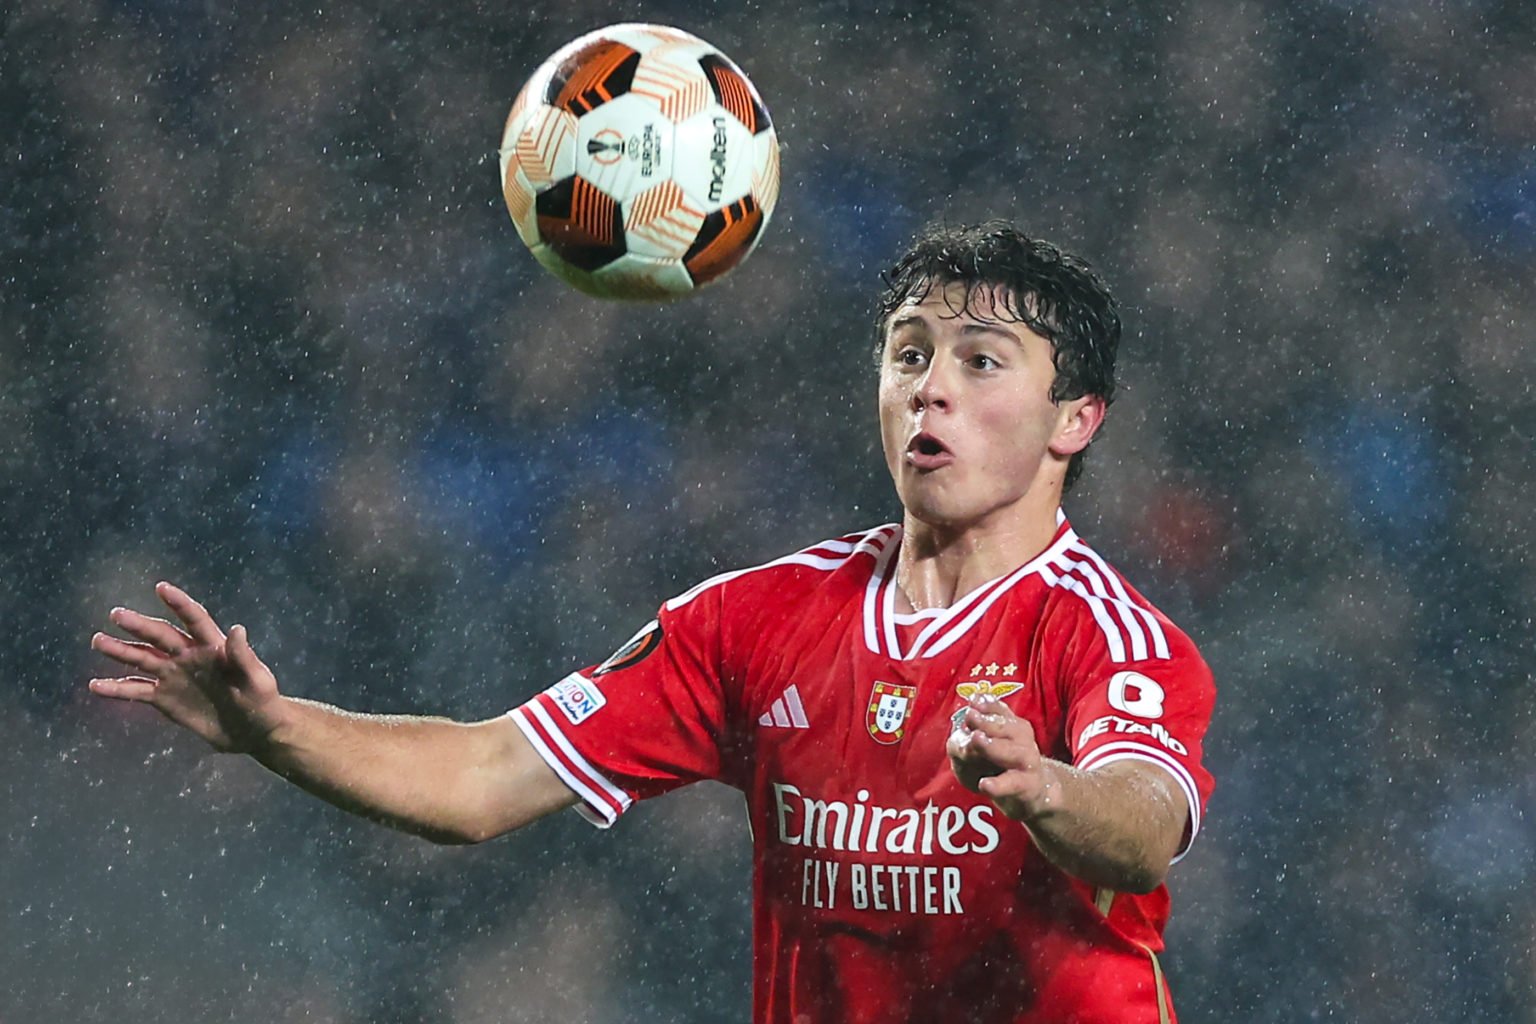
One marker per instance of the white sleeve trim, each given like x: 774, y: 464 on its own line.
x: 593, y: 808
x: 1109, y: 753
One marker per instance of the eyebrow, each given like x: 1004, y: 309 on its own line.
x: 917, y: 320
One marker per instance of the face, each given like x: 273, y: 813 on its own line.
x: 970, y: 432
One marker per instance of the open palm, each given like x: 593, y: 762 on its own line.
x: 195, y: 675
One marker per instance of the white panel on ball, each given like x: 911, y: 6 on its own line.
x: 624, y: 146
x: 639, y: 277
x: 674, y: 80
x: 520, y: 196
x: 662, y: 222
x: 643, y: 38
x: 719, y: 168
x: 544, y: 145
x: 765, y: 171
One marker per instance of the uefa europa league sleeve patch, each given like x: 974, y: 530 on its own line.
x: 635, y: 650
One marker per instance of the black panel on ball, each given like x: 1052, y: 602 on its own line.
x: 581, y: 223
x: 593, y: 75
x: 734, y: 91
x: 724, y: 240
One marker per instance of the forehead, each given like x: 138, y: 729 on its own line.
x: 972, y: 309
x: 981, y: 302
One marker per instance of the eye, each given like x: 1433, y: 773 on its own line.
x: 983, y: 362
x: 910, y: 356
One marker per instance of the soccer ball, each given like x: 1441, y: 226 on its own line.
x: 639, y: 163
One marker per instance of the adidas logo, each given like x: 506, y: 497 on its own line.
x: 786, y: 711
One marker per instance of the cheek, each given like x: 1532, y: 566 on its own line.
x: 891, y: 399
x: 1019, y: 431
x: 888, y: 410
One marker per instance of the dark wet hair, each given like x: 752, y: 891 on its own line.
x: 1057, y: 295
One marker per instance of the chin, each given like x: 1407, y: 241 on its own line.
x: 942, y: 509
x: 934, y: 511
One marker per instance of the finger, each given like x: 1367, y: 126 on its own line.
x: 192, y: 615
x: 1011, y: 785
x: 125, y: 688
x: 140, y: 656
x: 992, y: 706
x: 1005, y: 751
x: 967, y: 756
x: 159, y: 632
x: 239, y: 648
x: 965, y: 744
x: 991, y: 723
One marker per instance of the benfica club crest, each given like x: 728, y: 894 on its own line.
x: 886, y: 718
x: 998, y: 686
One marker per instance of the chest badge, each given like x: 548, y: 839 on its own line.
x: 889, y: 704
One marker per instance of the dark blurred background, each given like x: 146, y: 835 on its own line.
x: 266, y: 330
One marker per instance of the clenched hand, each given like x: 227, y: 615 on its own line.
x: 993, y: 752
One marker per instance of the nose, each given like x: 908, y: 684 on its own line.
x: 932, y: 390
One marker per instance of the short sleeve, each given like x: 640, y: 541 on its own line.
x: 642, y: 723
x: 1154, y: 710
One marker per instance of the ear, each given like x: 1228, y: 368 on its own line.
x: 1076, y: 423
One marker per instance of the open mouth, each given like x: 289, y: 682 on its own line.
x: 926, y: 451
x: 926, y: 444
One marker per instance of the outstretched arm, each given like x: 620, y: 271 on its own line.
x: 1117, y: 827
x: 451, y: 782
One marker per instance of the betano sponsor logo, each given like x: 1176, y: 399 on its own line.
x: 861, y: 827
x: 1114, y: 723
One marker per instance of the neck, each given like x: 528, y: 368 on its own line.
x: 939, y: 564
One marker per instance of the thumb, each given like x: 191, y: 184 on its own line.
x: 238, y: 646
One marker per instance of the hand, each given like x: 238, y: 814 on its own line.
x: 993, y: 752
x: 194, y: 675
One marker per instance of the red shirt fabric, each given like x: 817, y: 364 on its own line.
x: 883, y: 890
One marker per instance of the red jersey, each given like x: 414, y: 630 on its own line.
x: 884, y: 891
